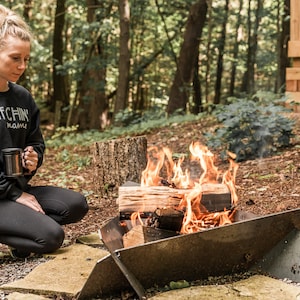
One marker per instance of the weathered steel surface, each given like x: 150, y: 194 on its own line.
x: 213, y: 252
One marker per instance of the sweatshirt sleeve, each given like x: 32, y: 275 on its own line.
x: 35, y: 137
x: 9, y: 189
x: 26, y: 132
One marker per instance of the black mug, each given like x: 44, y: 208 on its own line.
x: 13, y: 162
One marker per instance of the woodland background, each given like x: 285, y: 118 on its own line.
x: 102, y: 69
x: 96, y: 62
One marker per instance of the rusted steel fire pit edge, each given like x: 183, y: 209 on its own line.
x: 214, y: 252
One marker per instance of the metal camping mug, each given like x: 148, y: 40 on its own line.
x: 13, y: 162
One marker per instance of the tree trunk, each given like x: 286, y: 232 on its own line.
x: 60, y: 94
x: 235, y: 50
x: 124, y: 58
x: 248, y: 85
x: 282, y: 44
x: 208, y: 50
x: 118, y: 161
x: 221, y: 47
x: 197, y: 96
x: 27, y: 14
x: 92, y: 110
x: 179, y: 91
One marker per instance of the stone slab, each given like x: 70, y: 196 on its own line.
x: 19, y: 296
x: 65, y: 274
x: 257, y: 287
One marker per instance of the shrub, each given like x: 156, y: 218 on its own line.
x: 251, y: 129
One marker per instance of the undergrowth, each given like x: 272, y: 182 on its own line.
x: 71, y: 137
x: 252, y: 128
x: 248, y: 127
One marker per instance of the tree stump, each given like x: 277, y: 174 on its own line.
x: 118, y: 161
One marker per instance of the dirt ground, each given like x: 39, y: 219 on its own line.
x: 264, y: 186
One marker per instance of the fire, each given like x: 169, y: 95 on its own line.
x: 159, y: 158
x: 196, y: 217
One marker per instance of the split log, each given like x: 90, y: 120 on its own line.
x: 141, y: 234
x: 215, y: 197
x: 118, y: 161
x: 166, y: 218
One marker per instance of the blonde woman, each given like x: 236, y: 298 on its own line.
x: 30, y: 216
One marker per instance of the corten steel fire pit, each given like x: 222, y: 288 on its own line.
x: 270, y: 243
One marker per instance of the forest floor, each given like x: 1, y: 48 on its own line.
x: 263, y: 186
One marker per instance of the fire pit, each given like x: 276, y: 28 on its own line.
x: 213, y: 239
x: 236, y: 247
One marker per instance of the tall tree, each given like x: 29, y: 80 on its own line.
x: 60, y: 93
x: 124, y: 57
x: 221, y: 48
x: 283, y: 30
x: 93, y: 109
x: 27, y: 13
x: 248, y: 85
x: 196, y: 105
x: 208, y: 49
x: 189, y: 50
x: 235, y: 49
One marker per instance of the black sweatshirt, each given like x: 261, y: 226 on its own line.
x: 19, y: 128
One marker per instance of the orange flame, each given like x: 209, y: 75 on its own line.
x: 210, y: 172
x: 159, y: 158
x: 196, y: 217
x: 136, y: 217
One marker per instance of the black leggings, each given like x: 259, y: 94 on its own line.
x: 27, y: 230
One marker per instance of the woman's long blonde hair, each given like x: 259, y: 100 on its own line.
x: 12, y: 24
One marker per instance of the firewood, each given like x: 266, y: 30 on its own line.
x: 166, y: 218
x: 141, y: 234
x: 215, y: 197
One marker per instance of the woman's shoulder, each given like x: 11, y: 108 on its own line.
x: 18, y: 88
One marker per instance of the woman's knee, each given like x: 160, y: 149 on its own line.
x: 78, y: 208
x: 52, y: 240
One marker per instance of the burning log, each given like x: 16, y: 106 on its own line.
x: 166, y: 218
x: 117, y: 161
x: 215, y: 197
x: 141, y: 234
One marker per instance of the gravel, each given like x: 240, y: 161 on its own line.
x: 13, y: 269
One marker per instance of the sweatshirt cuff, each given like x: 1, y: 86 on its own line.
x: 14, y: 193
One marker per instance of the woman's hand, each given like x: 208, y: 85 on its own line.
x: 30, y: 201
x: 30, y: 160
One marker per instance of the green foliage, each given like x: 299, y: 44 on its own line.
x: 130, y: 117
x: 137, y: 124
x: 154, y: 49
x: 72, y: 159
x: 251, y: 128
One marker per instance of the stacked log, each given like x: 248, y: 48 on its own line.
x: 215, y: 197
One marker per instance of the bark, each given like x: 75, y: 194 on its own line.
x: 221, y: 47
x: 179, y: 91
x: 248, y: 85
x: 197, y: 96
x: 124, y: 58
x: 92, y: 111
x: 235, y: 50
x: 209, y: 39
x: 27, y: 14
x: 118, y: 161
x: 60, y: 94
x: 282, y: 44
x: 215, y: 197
